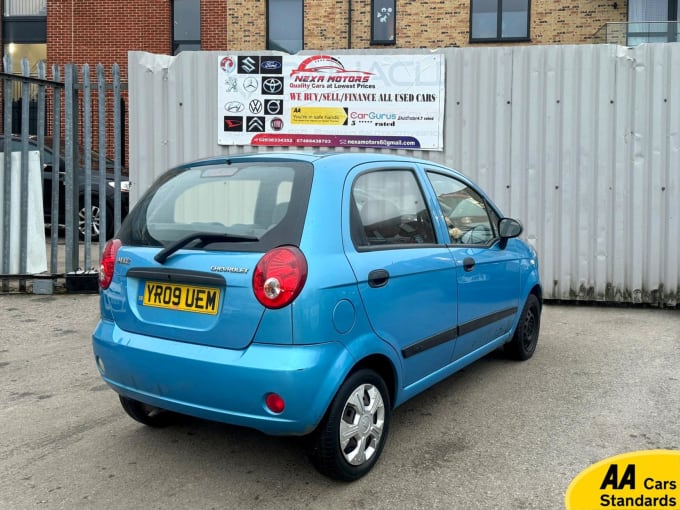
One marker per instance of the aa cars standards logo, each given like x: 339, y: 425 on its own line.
x: 636, y: 480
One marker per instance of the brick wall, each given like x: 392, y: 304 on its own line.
x: 246, y: 25
x: 214, y: 24
x: 425, y: 24
x: 572, y: 22
x: 92, y: 31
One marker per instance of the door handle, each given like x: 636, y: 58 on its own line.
x: 378, y: 278
x: 468, y: 264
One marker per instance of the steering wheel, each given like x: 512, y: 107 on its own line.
x: 479, y: 234
x: 446, y: 210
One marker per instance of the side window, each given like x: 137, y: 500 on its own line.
x: 467, y: 216
x: 388, y: 208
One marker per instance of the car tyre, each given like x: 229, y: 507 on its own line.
x: 96, y: 219
x: 146, y: 414
x: 351, y: 437
x: 523, y: 343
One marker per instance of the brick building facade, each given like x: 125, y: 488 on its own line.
x: 80, y: 31
x: 95, y: 32
x: 426, y: 24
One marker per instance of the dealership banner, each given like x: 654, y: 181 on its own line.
x: 363, y: 100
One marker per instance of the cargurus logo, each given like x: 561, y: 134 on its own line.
x: 373, y: 116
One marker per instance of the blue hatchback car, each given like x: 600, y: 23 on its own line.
x: 309, y: 294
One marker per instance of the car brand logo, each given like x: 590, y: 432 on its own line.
x: 230, y: 84
x: 255, y: 106
x: 234, y: 107
x: 233, y: 123
x: 273, y: 106
x: 227, y: 64
x: 271, y: 65
x: 255, y: 124
x: 250, y: 85
x: 276, y: 124
x: 229, y: 269
x: 272, y: 86
x: 248, y: 65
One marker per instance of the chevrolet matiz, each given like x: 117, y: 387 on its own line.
x: 309, y: 294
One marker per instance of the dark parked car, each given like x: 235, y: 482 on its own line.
x: 48, y: 159
x: 309, y: 294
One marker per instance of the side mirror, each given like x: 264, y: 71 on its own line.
x: 508, y: 228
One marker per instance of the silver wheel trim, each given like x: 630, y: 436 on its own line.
x: 95, y: 220
x: 361, y: 424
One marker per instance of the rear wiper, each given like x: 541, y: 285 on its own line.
x: 205, y: 237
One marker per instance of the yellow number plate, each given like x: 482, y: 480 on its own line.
x: 188, y: 298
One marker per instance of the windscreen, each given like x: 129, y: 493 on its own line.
x: 263, y: 203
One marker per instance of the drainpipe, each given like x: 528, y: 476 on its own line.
x: 349, y: 26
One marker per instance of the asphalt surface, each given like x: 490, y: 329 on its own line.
x: 498, y: 435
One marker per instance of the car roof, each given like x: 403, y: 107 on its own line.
x: 346, y: 158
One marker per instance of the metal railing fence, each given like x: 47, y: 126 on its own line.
x: 66, y: 120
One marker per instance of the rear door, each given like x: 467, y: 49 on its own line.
x: 407, y: 280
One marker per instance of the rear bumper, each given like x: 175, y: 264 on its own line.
x: 221, y: 384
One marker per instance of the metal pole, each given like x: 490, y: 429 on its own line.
x: 23, y: 179
x: 116, y: 146
x: 101, y: 117
x: 87, y: 149
x: 71, y: 195
x: 56, y: 151
x: 7, y: 169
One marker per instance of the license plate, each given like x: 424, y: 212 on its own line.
x: 188, y: 298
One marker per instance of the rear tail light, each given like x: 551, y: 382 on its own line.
x: 279, y: 276
x: 108, y: 262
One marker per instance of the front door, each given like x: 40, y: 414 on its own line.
x: 488, y: 275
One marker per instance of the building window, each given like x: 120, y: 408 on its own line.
x: 651, y: 21
x: 24, y: 21
x: 186, y: 23
x: 25, y: 8
x: 383, y: 22
x: 35, y: 53
x: 499, y: 20
x: 285, y: 25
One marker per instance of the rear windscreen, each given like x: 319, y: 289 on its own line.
x: 259, y: 204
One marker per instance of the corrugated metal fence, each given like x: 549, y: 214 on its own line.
x: 60, y: 184
x: 582, y: 143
